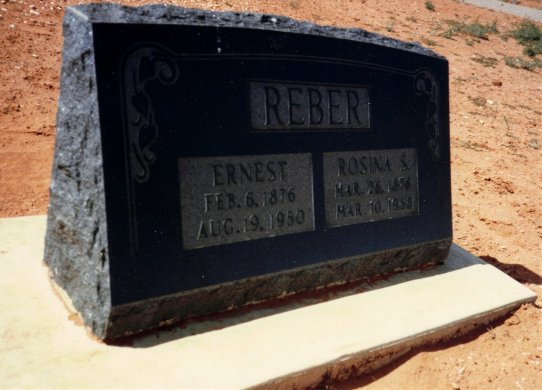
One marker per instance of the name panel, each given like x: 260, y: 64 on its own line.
x: 287, y: 106
x: 239, y: 198
x: 366, y: 186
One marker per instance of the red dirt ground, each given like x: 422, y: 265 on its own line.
x: 496, y: 116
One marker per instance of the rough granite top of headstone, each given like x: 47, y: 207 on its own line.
x: 167, y: 14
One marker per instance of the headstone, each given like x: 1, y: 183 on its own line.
x: 205, y: 161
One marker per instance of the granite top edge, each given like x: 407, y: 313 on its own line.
x: 169, y: 14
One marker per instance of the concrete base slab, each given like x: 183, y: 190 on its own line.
x: 271, y: 347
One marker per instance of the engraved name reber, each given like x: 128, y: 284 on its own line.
x: 285, y: 106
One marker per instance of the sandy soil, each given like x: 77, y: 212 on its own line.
x: 496, y: 138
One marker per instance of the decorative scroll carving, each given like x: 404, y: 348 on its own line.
x: 143, y: 66
x: 426, y: 84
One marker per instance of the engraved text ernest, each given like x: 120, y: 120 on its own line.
x: 239, y: 198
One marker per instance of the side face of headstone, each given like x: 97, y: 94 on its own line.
x: 209, y: 160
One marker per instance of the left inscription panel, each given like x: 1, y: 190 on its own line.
x: 230, y: 199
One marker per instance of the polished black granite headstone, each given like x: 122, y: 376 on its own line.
x: 209, y: 160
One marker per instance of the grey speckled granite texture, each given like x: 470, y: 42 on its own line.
x: 166, y: 14
x: 134, y: 317
x: 76, y: 238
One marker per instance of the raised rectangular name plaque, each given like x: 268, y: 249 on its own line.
x: 240, y: 198
x: 288, y: 106
x: 205, y: 161
x: 371, y: 185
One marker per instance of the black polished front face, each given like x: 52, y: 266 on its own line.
x: 231, y: 153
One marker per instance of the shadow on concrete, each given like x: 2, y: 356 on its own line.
x: 516, y: 271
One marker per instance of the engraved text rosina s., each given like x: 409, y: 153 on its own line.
x: 366, y: 186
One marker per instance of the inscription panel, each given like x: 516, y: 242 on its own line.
x: 286, y: 106
x: 239, y: 198
x: 366, y: 186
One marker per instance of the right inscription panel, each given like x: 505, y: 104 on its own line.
x: 365, y: 186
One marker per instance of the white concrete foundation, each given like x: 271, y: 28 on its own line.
x: 298, y: 345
